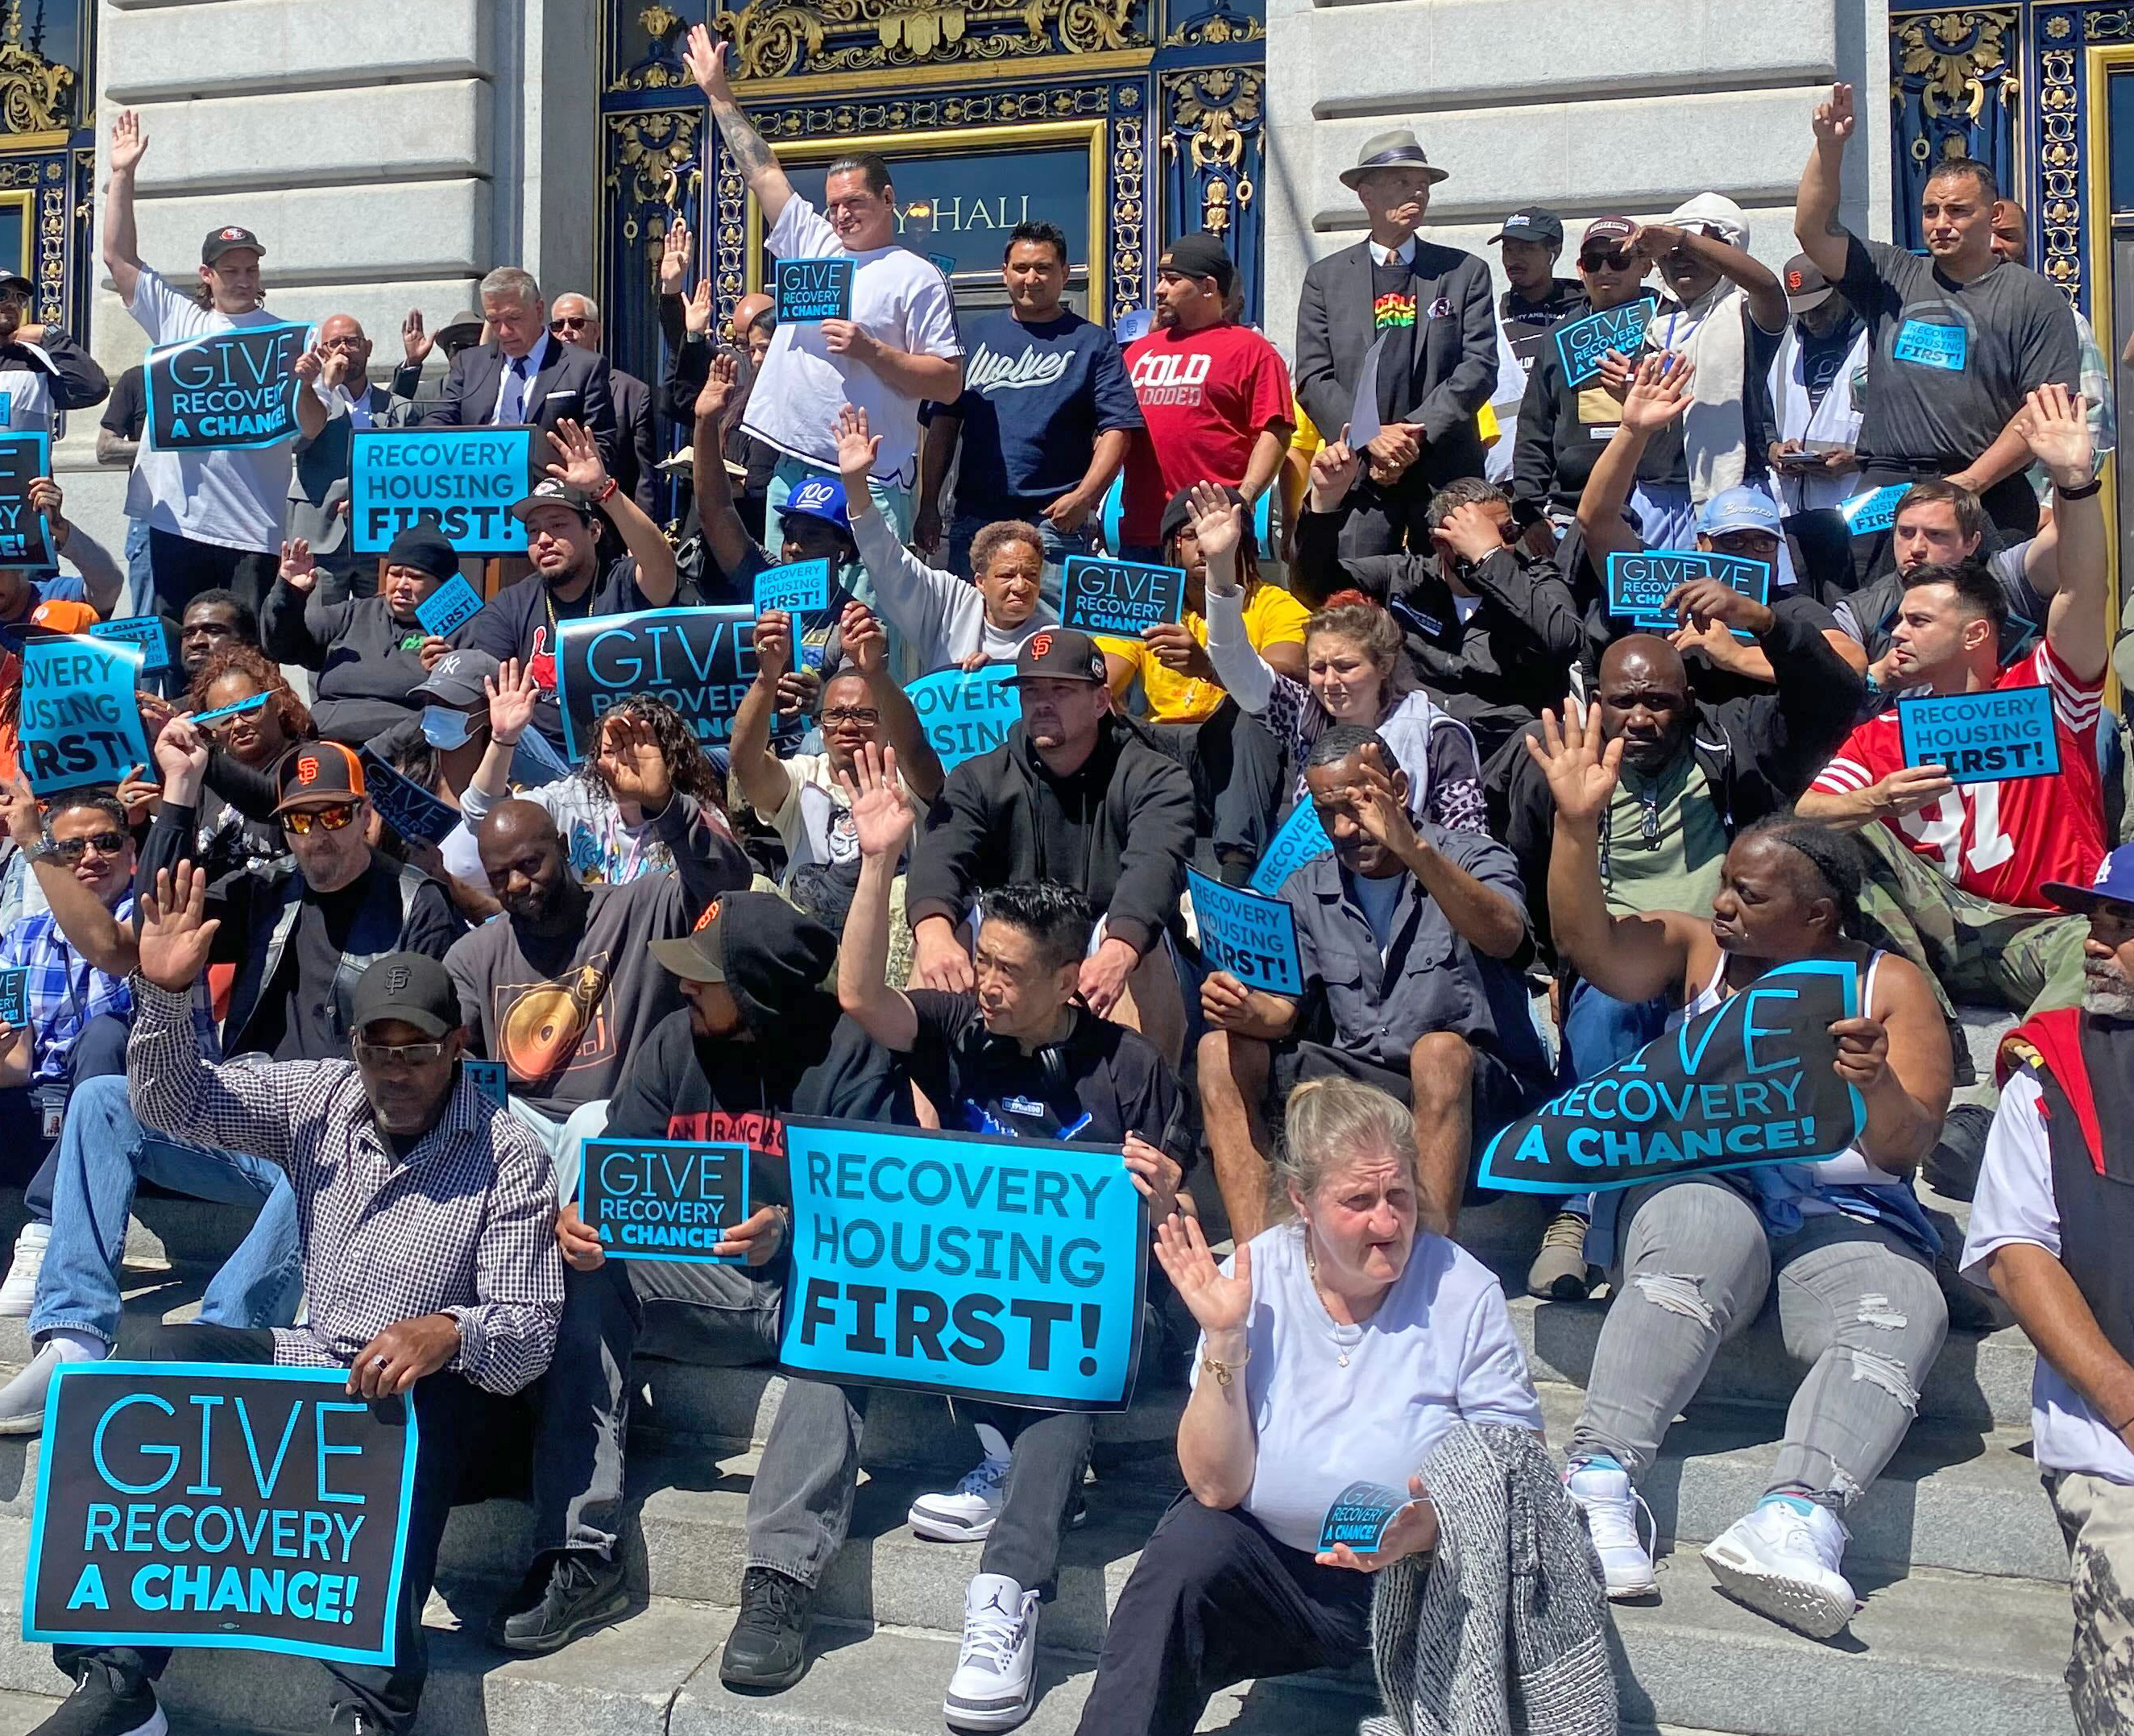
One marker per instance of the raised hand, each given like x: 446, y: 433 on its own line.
x: 1834, y: 120
x: 1702, y: 602
x: 1658, y: 393
x: 299, y: 571
x: 180, y: 749
x: 774, y: 645
x: 1469, y: 533
x: 634, y: 764
x: 696, y: 313
x: 674, y: 257
x: 2057, y: 426
x: 414, y: 341
x: 582, y: 467
x: 1581, y: 769
x: 865, y: 640
x: 24, y: 821
x: 512, y: 694
x: 1219, y: 523
x: 718, y: 391
x: 129, y: 143
x: 706, y: 64
x: 882, y: 817
x: 857, y: 449
x: 1334, y: 472
x: 310, y: 364
x: 1379, y: 807
x: 175, y: 930
x: 1217, y: 1303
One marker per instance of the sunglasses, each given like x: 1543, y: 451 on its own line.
x: 398, y: 1054
x: 1598, y: 260
x: 71, y: 850
x: 569, y: 322
x: 334, y: 818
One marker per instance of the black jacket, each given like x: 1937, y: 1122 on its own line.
x: 1495, y: 670
x: 567, y: 381
x: 1757, y: 754
x: 1119, y: 831
x: 1556, y: 452
x: 637, y: 440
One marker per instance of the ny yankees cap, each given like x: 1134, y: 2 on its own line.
x: 409, y: 987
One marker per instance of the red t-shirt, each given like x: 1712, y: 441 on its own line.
x: 2002, y: 840
x: 1204, y: 397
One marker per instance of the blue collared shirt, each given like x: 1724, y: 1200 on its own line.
x: 65, y: 990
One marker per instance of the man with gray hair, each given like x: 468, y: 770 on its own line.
x: 525, y: 375
x: 576, y: 319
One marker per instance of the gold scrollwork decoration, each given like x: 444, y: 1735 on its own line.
x: 1957, y: 53
x: 34, y: 92
x: 2060, y: 162
x: 779, y: 38
x: 1220, y: 28
x: 652, y: 173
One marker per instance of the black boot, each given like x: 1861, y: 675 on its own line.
x: 104, y: 1704
x: 1951, y: 1167
x: 563, y: 1595
x: 768, y: 1648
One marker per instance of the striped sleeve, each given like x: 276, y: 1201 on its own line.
x: 1856, y: 763
x: 2075, y: 702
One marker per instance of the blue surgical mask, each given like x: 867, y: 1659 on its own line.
x: 444, y: 727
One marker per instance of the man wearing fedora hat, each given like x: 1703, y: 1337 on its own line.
x: 1433, y: 306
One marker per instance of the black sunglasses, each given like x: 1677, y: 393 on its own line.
x: 71, y: 850
x: 1603, y: 262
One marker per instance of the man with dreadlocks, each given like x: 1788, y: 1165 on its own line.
x: 1694, y: 1256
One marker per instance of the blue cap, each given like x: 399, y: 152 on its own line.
x: 1738, y: 509
x: 2114, y: 884
x: 819, y: 497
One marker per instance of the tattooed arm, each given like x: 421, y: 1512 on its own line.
x: 706, y: 62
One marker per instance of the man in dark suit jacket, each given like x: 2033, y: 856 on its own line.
x: 575, y: 319
x: 1435, y: 307
x: 523, y: 374
x: 318, y: 478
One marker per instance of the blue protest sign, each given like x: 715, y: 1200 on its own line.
x: 15, y: 998
x: 1580, y: 344
x: 1120, y: 597
x: 449, y: 607
x: 812, y: 290
x: 664, y: 1199
x: 224, y: 389
x: 965, y: 715
x: 1982, y: 737
x: 81, y: 723
x: 210, y: 1504
x: 242, y: 706
x: 26, y: 538
x: 404, y: 804
x: 701, y: 661
x: 145, y: 634
x: 797, y: 588
x: 1931, y: 345
x: 1639, y: 585
x: 1359, y: 1516
x: 491, y: 1078
x: 1254, y: 939
x: 1754, y: 1081
x: 1004, y: 1269
x: 1301, y: 838
x: 1875, y: 510
x: 464, y: 480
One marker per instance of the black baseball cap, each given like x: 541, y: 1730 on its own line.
x: 1531, y: 223
x: 424, y: 548
x: 1200, y: 255
x: 549, y: 492
x: 1059, y: 653
x: 317, y: 774
x: 1178, y: 511
x: 15, y: 282
x: 1805, y: 285
x: 411, y: 987
x: 226, y: 240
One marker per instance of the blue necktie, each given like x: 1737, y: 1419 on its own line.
x: 511, y: 407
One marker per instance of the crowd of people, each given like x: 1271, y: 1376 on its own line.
x: 1552, y: 833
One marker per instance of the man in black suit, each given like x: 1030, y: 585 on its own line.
x: 525, y: 375
x: 1434, y: 306
x: 575, y: 319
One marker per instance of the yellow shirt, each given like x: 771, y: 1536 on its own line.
x: 1273, y: 617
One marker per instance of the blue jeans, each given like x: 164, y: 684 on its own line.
x: 104, y: 1155
x: 1599, y: 1030
x: 963, y: 527
x: 136, y: 564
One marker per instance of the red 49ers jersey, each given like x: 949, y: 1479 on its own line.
x: 2002, y: 840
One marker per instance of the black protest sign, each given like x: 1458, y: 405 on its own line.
x: 226, y: 389
x: 1120, y: 597
x: 814, y: 290
x: 404, y: 804
x: 1752, y: 1082
x: 208, y: 1504
x: 701, y: 661
x: 1581, y: 343
x: 664, y: 1199
x: 26, y: 539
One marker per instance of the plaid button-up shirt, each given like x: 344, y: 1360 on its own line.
x: 464, y: 1225
x: 64, y: 991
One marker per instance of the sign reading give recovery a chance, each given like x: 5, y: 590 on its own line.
x: 701, y: 661
x: 1752, y: 1082
x: 1004, y: 1269
x: 1581, y: 343
x: 26, y: 538
x: 812, y: 290
x: 1120, y: 597
x: 663, y: 1198
x: 81, y: 723
x: 1639, y: 585
x: 463, y: 480
x: 1982, y: 738
x: 1254, y: 939
x: 965, y: 714
x: 224, y: 389
x: 210, y: 1504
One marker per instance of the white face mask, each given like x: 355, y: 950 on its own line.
x: 444, y: 727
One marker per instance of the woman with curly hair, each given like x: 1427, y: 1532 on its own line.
x: 239, y: 830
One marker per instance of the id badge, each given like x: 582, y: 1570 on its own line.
x: 54, y: 1114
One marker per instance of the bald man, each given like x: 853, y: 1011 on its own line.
x: 575, y: 319
x: 319, y: 484
x: 1693, y: 774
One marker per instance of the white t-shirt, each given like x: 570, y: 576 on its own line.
x: 235, y: 499
x: 26, y: 395
x: 898, y: 297
x: 815, y: 821
x: 1712, y: 332
x: 1439, y: 1350
x: 2015, y: 1203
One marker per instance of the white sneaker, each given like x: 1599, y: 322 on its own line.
x: 1783, y: 1563
x: 966, y: 1513
x: 18, y: 1291
x: 22, y: 1399
x: 1602, y: 1490
x: 995, y: 1672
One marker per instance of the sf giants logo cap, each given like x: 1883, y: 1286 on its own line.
x: 318, y: 774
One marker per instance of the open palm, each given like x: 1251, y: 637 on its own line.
x: 177, y: 932
x: 1217, y: 1303
x: 1581, y: 769
x: 881, y: 816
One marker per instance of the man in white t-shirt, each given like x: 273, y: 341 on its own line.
x: 214, y: 518
x: 899, y: 348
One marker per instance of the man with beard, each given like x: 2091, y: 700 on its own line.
x: 2050, y: 1231
x: 567, y: 582
x: 562, y: 990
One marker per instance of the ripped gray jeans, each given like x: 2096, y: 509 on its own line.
x: 1693, y: 1267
